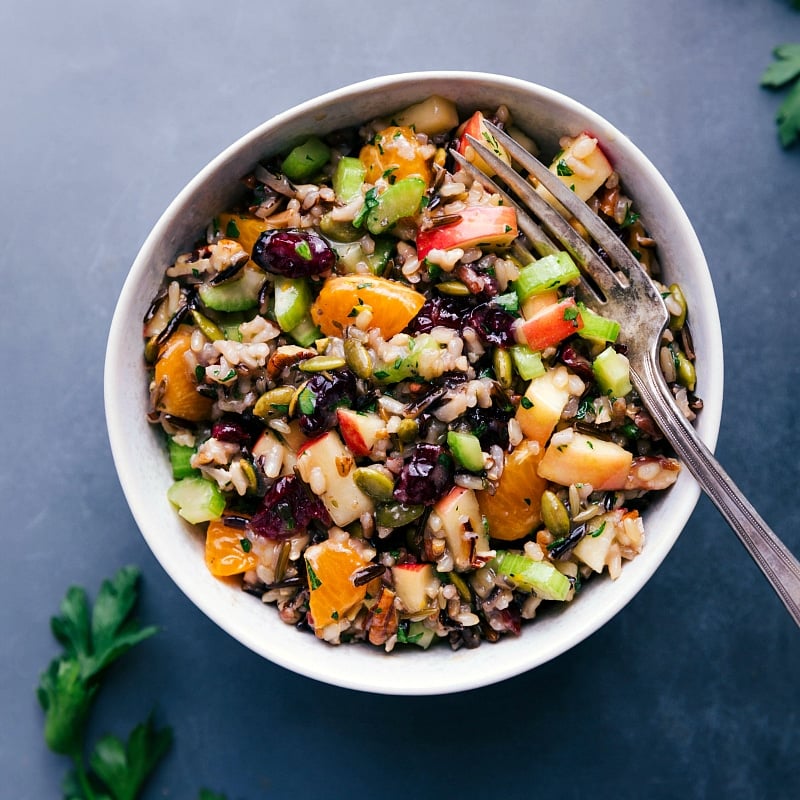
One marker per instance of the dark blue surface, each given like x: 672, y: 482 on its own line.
x: 693, y: 691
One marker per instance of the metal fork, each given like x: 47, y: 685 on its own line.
x: 628, y: 295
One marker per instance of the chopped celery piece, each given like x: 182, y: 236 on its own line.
x: 292, y: 301
x: 306, y: 159
x: 197, y: 499
x: 596, y: 326
x: 347, y: 179
x: 180, y: 456
x: 402, y: 199
x: 541, y: 577
x: 305, y: 333
x: 422, y: 346
x: 466, y: 449
x: 508, y: 302
x: 238, y: 295
x: 419, y: 635
x: 545, y: 274
x: 528, y: 362
x: 351, y: 255
x: 613, y: 373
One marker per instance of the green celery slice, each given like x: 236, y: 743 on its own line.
x: 197, y: 499
x: 180, y: 456
x: 306, y: 159
x: 541, y: 577
x: 348, y: 178
x: 402, y: 199
x: 613, y: 373
x: 596, y: 326
x: 292, y: 301
x: 528, y: 362
x: 546, y: 274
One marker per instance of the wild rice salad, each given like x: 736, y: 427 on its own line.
x: 387, y: 416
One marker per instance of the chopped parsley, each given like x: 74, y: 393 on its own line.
x: 304, y: 251
x: 563, y: 169
x: 231, y: 230
x: 313, y: 581
x: 370, y: 201
x: 571, y: 313
x: 595, y: 534
x: 246, y: 545
x: 630, y: 218
x: 526, y: 402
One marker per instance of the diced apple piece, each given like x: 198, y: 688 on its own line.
x: 344, y: 501
x: 271, y: 452
x: 477, y: 225
x: 360, y: 430
x: 574, y: 457
x: 541, y: 406
x: 593, y: 549
x: 582, y: 166
x: 551, y: 324
x: 415, y: 585
x: 475, y: 126
x: 462, y: 525
x: 432, y: 116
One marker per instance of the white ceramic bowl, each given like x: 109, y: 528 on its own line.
x: 143, y: 466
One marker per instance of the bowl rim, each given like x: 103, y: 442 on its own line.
x: 449, y: 678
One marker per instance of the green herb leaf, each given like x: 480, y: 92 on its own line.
x: 563, y: 169
x: 785, y: 71
x: 231, y: 230
x: 124, y: 767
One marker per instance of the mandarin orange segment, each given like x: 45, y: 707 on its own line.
x: 243, y: 228
x: 393, y: 304
x: 228, y: 550
x: 330, y: 566
x: 515, y: 508
x: 174, y: 374
x: 395, y: 153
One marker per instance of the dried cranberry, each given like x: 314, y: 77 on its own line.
x: 287, y: 510
x: 293, y: 253
x: 577, y: 362
x: 320, y: 398
x: 511, y: 619
x: 490, y: 425
x: 425, y: 476
x: 228, y: 430
x: 447, y: 312
x: 493, y: 324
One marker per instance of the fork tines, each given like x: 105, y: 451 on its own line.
x: 608, y: 281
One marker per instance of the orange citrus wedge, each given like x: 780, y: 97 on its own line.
x: 393, y: 304
x: 180, y: 397
x: 225, y: 553
x: 243, y: 228
x: 515, y: 508
x: 330, y: 566
x: 395, y: 153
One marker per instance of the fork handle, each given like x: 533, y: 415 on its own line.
x: 777, y: 563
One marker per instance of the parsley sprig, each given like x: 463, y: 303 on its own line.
x: 93, y: 638
x: 785, y: 72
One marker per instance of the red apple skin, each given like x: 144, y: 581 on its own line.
x: 548, y: 326
x: 358, y: 430
x: 477, y: 224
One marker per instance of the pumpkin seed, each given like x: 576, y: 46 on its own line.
x: 210, y: 330
x: 554, y: 515
x: 375, y: 483
x: 274, y: 402
x: 685, y: 371
x: 322, y: 363
x: 395, y: 515
x: 249, y: 472
x: 676, y: 322
x: 453, y: 288
x: 151, y: 349
x: 358, y: 358
x: 408, y: 430
x: 503, y: 367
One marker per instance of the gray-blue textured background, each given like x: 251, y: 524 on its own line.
x: 106, y: 110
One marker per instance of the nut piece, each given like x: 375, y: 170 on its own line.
x: 285, y: 356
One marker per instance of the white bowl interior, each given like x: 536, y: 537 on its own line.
x: 143, y: 467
